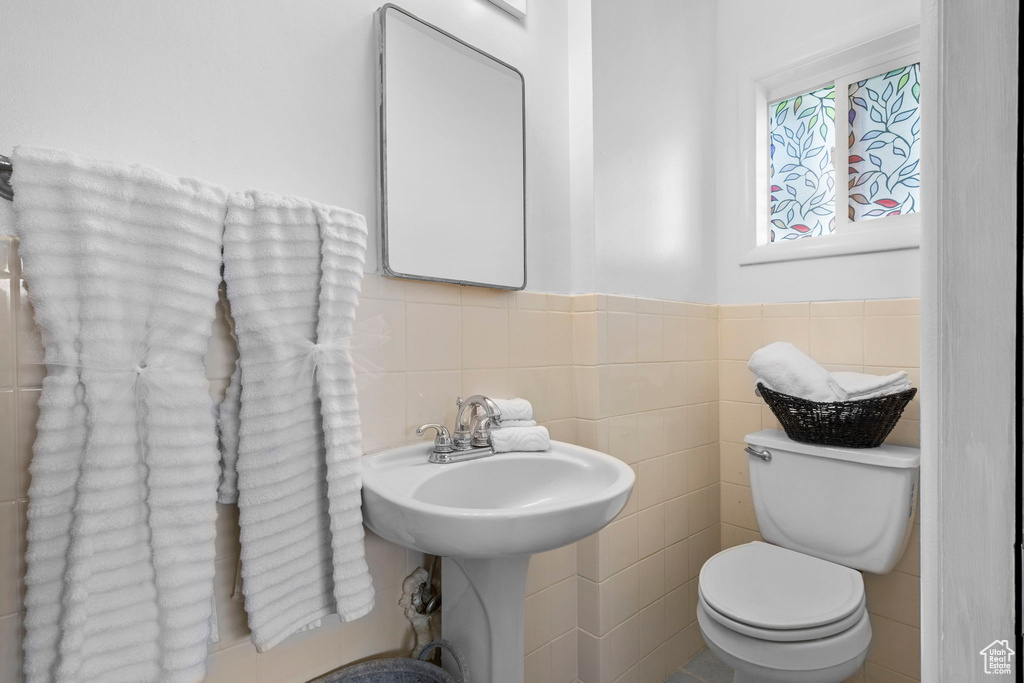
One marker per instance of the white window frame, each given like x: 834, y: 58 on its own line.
x: 889, y: 233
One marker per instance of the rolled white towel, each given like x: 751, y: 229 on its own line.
x: 784, y: 368
x: 520, y: 439
x: 518, y: 423
x: 514, y: 408
x: 859, y: 386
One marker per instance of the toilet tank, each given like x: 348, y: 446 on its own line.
x: 852, y: 506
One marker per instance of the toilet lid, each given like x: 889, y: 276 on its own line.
x: 773, y: 588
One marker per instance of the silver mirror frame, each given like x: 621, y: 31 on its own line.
x: 380, y: 20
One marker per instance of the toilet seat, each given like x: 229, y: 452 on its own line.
x: 772, y: 593
x: 777, y: 615
x: 784, y: 635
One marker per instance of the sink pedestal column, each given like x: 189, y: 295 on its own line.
x: 482, y: 614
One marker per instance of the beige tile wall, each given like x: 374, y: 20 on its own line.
x: 446, y: 341
x: 443, y: 341
x: 647, y: 392
x: 638, y: 378
x: 868, y: 336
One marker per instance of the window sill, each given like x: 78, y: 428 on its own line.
x: 863, y: 241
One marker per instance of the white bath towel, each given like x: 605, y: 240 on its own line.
x: 784, y: 368
x: 293, y: 270
x: 508, y: 439
x: 122, y: 265
x: 518, y: 423
x: 514, y: 408
x: 859, y: 386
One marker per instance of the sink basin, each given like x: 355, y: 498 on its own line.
x: 485, y: 518
x: 503, y: 505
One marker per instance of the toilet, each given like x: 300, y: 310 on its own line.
x: 792, y: 609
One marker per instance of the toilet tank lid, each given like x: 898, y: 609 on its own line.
x: 886, y: 455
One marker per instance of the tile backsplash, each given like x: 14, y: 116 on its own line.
x: 661, y: 385
x: 647, y: 392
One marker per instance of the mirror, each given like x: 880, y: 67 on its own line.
x: 452, y: 158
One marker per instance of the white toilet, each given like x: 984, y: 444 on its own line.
x: 792, y: 610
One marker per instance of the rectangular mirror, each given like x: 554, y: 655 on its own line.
x: 452, y: 158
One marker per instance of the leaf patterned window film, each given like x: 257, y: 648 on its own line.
x: 885, y: 144
x: 802, y: 176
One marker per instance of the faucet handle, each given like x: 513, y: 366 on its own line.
x: 480, y: 431
x: 443, y: 440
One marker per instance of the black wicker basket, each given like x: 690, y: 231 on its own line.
x: 852, y: 424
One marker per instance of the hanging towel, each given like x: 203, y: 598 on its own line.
x: 122, y: 265
x: 859, y: 386
x: 784, y: 368
x: 293, y: 270
x: 514, y: 408
x: 368, y: 335
x: 508, y: 439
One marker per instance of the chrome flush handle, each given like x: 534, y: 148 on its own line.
x: 765, y: 455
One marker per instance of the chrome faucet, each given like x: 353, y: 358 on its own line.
x: 477, y: 433
x: 470, y: 441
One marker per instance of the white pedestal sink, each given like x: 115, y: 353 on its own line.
x: 485, y: 518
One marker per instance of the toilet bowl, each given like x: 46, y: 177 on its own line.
x: 774, y: 614
x: 792, y: 609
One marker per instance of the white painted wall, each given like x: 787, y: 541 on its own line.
x: 756, y: 36
x: 653, y: 175
x: 631, y: 118
x: 262, y: 94
x: 581, y: 146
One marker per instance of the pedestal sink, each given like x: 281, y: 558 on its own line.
x: 485, y: 518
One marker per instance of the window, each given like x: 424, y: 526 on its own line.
x: 885, y: 145
x: 836, y: 155
x: 882, y: 148
x: 803, y: 179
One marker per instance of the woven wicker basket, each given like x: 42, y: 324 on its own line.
x: 852, y: 424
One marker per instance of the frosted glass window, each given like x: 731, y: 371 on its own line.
x: 885, y: 144
x: 803, y: 184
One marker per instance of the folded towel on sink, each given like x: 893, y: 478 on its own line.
x: 518, y: 423
x: 508, y: 439
x: 514, y: 409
